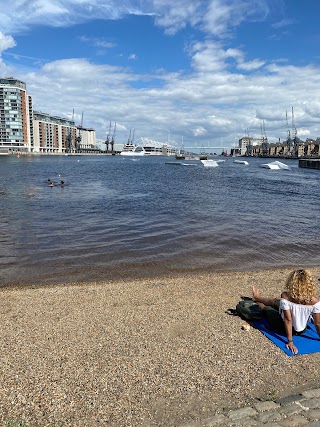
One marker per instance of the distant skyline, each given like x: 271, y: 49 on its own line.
x: 205, y: 72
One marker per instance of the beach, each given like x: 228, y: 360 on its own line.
x: 146, y: 352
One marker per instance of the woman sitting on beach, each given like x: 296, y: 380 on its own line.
x: 290, y: 314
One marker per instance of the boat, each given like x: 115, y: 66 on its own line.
x: 131, y: 149
x: 275, y: 165
x: 155, y: 148
x: 180, y: 155
x: 209, y: 163
x: 241, y: 162
x: 180, y: 164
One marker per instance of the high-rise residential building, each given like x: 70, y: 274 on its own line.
x: 52, y: 134
x: 15, y: 116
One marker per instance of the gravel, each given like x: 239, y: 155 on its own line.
x: 158, y: 352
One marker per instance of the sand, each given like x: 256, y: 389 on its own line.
x: 151, y: 352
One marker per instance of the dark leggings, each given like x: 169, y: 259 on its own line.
x: 273, y: 317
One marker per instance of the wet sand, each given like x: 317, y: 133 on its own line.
x: 147, y: 352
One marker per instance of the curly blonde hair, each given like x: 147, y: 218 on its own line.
x: 300, y: 286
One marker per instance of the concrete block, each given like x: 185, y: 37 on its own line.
x: 309, y: 394
x: 294, y: 421
x: 289, y: 399
x: 216, y: 420
x: 270, y: 416
x: 266, y: 406
x: 291, y: 409
x: 311, y: 403
x: 313, y: 414
x: 241, y: 413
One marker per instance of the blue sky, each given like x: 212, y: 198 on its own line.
x: 203, y: 71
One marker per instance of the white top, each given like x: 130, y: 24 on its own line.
x: 300, y: 313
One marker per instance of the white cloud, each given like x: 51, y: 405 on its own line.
x: 283, y: 23
x: 303, y: 132
x: 6, y: 42
x: 251, y: 65
x: 203, y: 104
x: 223, y: 93
x: 216, y: 17
x: 223, y: 16
x: 99, y: 42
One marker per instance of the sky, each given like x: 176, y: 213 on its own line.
x: 197, y: 73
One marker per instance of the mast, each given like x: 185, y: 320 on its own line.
x: 129, y: 137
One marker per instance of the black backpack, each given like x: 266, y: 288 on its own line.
x: 248, y: 310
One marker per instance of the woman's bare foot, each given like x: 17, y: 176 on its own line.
x: 262, y: 301
x: 255, y: 294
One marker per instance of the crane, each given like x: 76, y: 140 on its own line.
x: 79, y: 137
x: 295, y: 139
x: 107, y: 141
x: 288, y: 130
x: 264, y: 139
x: 69, y: 143
x: 113, y: 136
x: 294, y: 129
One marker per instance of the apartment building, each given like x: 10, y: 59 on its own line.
x: 15, y: 116
x: 52, y: 134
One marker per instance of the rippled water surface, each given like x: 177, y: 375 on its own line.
x: 117, y: 218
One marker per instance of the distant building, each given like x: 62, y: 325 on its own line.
x: 15, y: 116
x: 86, y: 140
x: 25, y: 130
x: 246, y: 144
x: 53, y: 134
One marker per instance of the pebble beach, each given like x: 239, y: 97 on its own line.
x: 148, y: 352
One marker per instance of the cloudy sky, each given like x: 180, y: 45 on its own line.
x: 203, y: 71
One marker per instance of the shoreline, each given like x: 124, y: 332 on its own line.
x: 130, y: 275
x: 140, y: 352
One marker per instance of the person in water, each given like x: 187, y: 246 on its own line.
x: 298, y: 304
x: 61, y: 183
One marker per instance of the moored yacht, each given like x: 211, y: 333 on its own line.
x: 131, y: 149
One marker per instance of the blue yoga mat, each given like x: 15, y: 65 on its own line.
x: 307, y: 343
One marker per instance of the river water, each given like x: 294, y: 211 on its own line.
x: 117, y: 218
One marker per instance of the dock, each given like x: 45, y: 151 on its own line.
x: 309, y: 163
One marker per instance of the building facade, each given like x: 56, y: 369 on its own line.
x: 246, y: 145
x: 86, y: 140
x: 52, y: 134
x: 15, y: 116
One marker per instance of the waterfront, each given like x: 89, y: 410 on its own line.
x: 117, y: 218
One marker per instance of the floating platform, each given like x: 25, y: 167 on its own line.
x: 274, y: 165
x: 309, y: 163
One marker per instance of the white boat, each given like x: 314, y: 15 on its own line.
x: 132, y: 150
x: 275, y: 165
x: 241, y: 162
x: 209, y: 163
x: 155, y: 148
x: 180, y: 164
